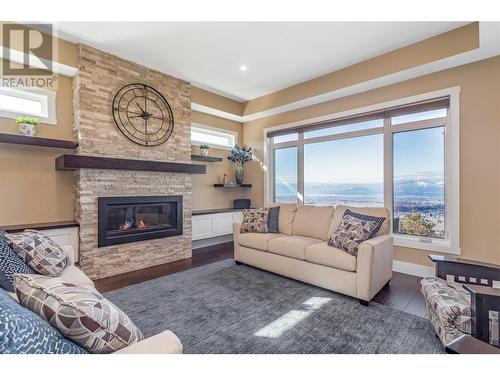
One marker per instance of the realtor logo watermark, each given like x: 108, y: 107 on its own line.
x: 28, y: 55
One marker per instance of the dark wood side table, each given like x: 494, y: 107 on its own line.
x: 469, y: 345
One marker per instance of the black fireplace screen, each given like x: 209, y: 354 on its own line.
x: 130, y: 219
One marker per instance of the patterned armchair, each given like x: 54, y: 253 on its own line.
x: 463, y: 298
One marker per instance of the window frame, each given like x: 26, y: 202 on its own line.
x: 47, y: 99
x: 451, y: 244
x: 230, y: 135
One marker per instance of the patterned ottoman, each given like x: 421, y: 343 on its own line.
x: 448, y: 308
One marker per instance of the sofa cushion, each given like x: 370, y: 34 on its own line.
x: 254, y: 221
x: 24, y: 332
x: 74, y: 275
x: 10, y: 264
x: 330, y: 256
x: 286, y: 217
x: 372, y: 211
x: 291, y: 246
x: 80, y: 314
x: 39, y: 252
x: 258, y: 241
x: 313, y: 221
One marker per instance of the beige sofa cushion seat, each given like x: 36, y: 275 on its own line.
x: 313, y: 221
x: 257, y: 241
x: 330, y: 256
x: 291, y: 246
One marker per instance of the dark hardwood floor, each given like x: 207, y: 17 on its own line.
x: 402, y: 293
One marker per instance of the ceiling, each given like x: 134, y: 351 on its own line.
x: 277, y: 54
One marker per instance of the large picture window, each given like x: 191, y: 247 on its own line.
x: 402, y: 156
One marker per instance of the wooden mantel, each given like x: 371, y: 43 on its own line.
x: 74, y: 162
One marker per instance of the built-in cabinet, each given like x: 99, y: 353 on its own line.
x: 214, y: 225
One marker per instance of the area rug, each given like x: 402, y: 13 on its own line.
x: 226, y: 308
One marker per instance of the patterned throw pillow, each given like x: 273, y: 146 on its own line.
x: 351, y: 232
x: 24, y: 332
x: 80, y: 314
x: 378, y: 220
x: 255, y: 220
x: 10, y: 264
x: 273, y: 219
x: 39, y: 252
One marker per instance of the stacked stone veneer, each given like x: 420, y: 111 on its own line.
x: 100, y: 76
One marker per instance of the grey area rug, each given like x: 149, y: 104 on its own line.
x: 225, y: 308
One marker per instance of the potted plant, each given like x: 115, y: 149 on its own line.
x: 240, y: 156
x: 27, y: 125
x: 204, y: 149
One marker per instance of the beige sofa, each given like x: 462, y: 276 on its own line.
x: 300, y: 251
x: 163, y: 343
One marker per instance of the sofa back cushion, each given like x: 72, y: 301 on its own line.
x: 313, y: 221
x: 286, y: 217
x: 372, y: 211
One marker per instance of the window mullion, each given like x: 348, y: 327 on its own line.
x: 300, y: 169
x: 388, y: 168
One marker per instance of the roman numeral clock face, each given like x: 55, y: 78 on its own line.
x: 143, y: 115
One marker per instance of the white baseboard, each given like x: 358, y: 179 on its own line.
x: 412, y: 269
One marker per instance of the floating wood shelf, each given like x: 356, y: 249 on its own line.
x: 225, y: 186
x: 211, y: 159
x: 74, y: 162
x: 40, y: 226
x: 37, y: 141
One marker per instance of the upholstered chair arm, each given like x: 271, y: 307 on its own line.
x: 236, y: 237
x: 163, y: 343
x: 374, y: 265
x: 70, y: 253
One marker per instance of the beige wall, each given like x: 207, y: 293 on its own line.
x: 31, y: 191
x: 479, y: 149
x: 205, y: 196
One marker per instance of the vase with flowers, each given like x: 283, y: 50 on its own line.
x: 240, y: 156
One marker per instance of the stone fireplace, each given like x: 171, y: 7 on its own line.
x: 100, y: 76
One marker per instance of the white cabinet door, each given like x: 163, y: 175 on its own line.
x: 213, y: 225
x: 223, y: 223
x: 202, y: 226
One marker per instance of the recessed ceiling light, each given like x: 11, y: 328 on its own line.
x: 243, y: 68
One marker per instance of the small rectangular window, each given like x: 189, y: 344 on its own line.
x: 39, y: 104
x: 419, y: 116
x: 212, y: 136
x: 363, y: 125
x: 285, y: 138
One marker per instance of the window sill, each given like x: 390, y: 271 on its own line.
x: 439, y: 246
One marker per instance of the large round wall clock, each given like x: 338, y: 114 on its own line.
x: 143, y: 115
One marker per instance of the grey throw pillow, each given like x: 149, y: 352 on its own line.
x: 351, y: 232
x: 39, y: 252
x: 273, y: 219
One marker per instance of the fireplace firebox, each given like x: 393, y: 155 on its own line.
x: 131, y: 219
